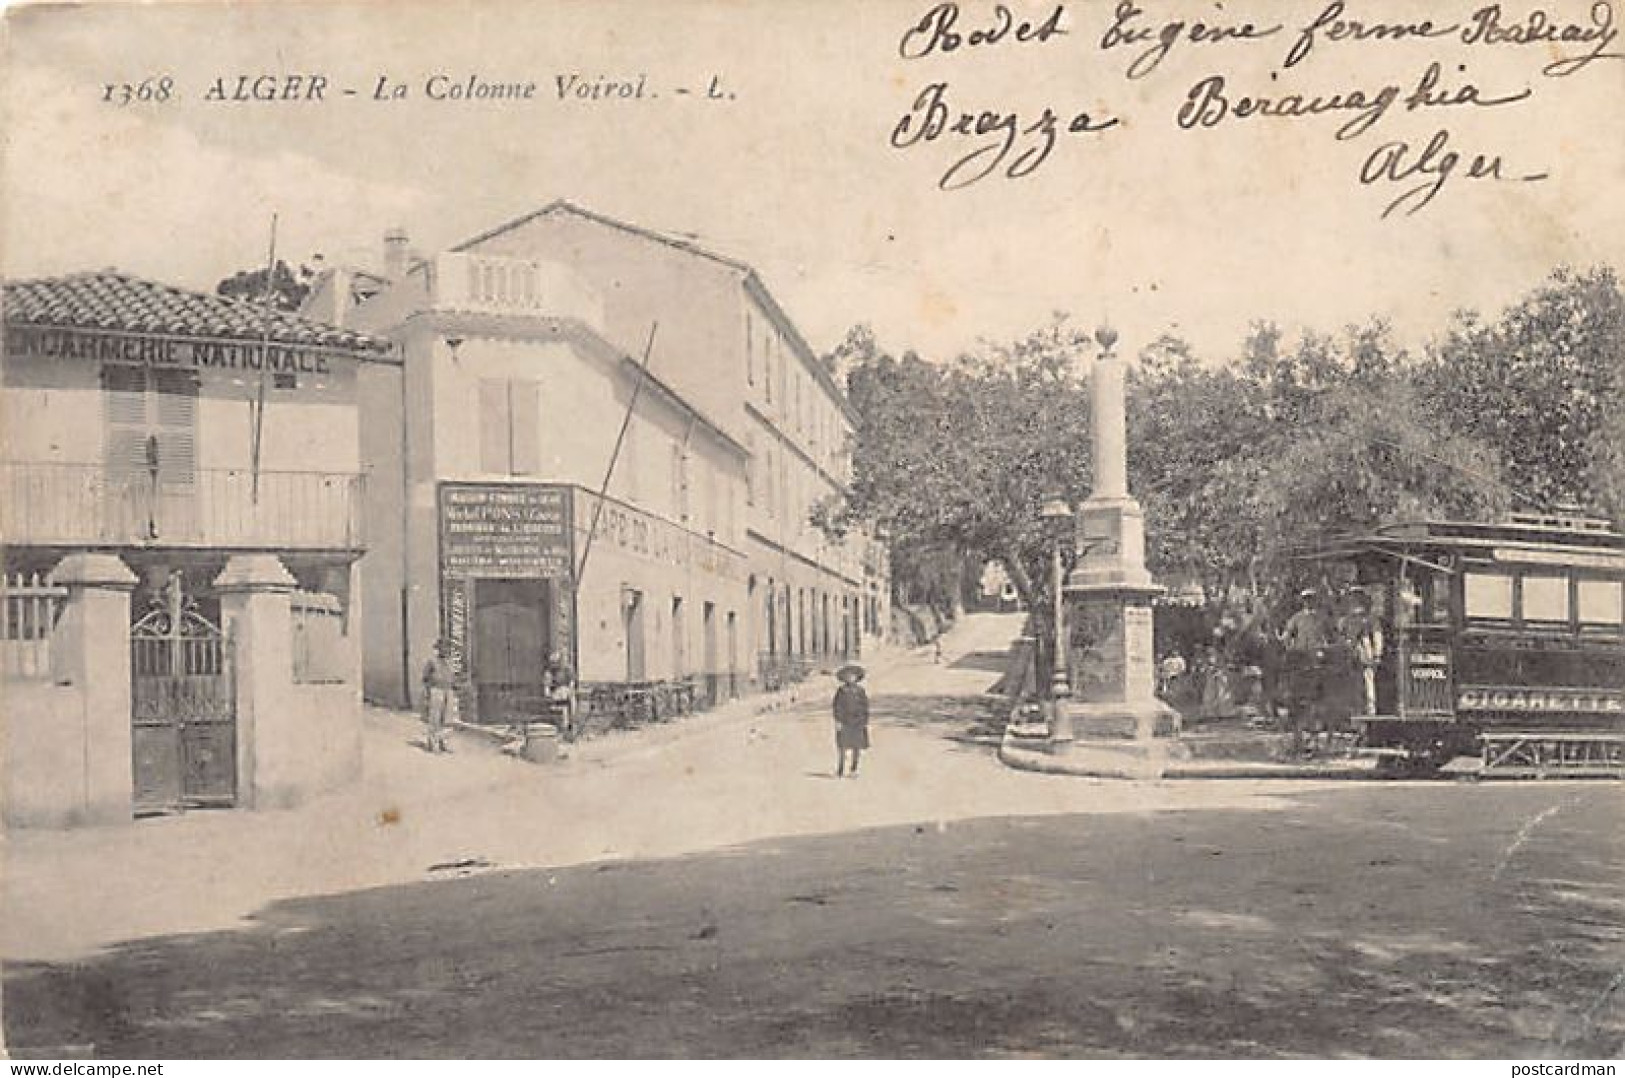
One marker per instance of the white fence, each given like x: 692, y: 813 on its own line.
x: 29, y: 609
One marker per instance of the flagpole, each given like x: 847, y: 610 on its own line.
x: 265, y: 340
x: 615, y: 454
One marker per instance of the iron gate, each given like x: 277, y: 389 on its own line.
x: 183, y: 713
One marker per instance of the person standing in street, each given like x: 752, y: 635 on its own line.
x: 439, y: 696
x: 559, y: 683
x: 1306, y: 636
x: 1368, y: 648
x: 851, y: 707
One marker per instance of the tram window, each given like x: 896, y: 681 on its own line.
x: 1488, y: 596
x: 1546, y: 598
x: 1602, y: 602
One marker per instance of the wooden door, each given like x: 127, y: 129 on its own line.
x: 509, y: 650
x: 632, y: 626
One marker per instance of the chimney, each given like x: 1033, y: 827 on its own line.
x: 395, y: 243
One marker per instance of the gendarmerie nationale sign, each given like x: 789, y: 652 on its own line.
x: 53, y: 342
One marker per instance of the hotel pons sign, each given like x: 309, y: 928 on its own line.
x: 502, y: 530
x: 48, y: 342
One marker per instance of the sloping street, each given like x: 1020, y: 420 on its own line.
x: 713, y: 891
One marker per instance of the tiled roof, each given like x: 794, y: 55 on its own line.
x: 118, y: 302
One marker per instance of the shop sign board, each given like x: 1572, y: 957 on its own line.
x: 505, y: 530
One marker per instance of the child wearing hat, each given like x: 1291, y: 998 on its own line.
x: 851, y: 707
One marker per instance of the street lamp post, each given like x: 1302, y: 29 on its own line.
x: 1057, y: 517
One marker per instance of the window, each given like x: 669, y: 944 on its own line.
x: 751, y: 464
x: 730, y: 509
x: 679, y: 482
x: 750, y: 350
x: 151, y: 423
x: 1488, y: 596
x: 713, y: 513
x: 1546, y: 599
x: 1602, y: 602
x: 769, y: 360
x: 770, y: 476
x: 784, y: 371
x: 510, y: 422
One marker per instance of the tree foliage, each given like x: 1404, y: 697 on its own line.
x: 286, y: 291
x: 1544, y: 384
x: 1243, y: 463
x: 952, y: 462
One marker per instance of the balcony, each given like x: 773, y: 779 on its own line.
x: 221, y: 508
x: 493, y: 284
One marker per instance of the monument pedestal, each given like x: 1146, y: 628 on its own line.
x: 1112, y: 717
x: 1108, y: 721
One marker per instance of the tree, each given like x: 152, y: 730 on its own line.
x: 1369, y: 457
x: 1243, y: 465
x: 1545, y: 385
x: 952, y: 462
x: 286, y: 292
x: 1199, y: 440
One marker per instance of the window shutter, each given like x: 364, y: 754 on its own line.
x: 494, y: 425
x: 176, y: 415
x: 124, y: 402
x: 527, y: 432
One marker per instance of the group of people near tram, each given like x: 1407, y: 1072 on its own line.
x: 1308, y: 666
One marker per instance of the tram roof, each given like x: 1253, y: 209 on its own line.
x: 1523, y: 537
x: 1521, y: 528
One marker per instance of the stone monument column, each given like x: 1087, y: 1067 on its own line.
x: 1113, y: 710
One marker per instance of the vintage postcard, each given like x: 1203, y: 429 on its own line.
x: 894, y: 529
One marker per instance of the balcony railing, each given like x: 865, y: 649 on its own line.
x: 45, y: 504
x: 494, y: 284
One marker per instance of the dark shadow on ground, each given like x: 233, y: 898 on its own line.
x: 1406, y: 921
x: 952, y: 714
x: 992, y: 661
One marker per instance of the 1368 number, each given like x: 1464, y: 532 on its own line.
x: 147, y: 90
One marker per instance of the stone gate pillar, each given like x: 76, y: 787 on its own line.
x: 91, y: 653
x: 255, y: 591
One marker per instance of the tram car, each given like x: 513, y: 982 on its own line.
x: 1504, y: 644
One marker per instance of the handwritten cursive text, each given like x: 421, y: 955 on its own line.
x: 1397, y: 162
x: 1004, y: 143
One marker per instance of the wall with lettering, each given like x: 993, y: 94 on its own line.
x: 503, y: 531
x: 54, y: 412
x: 309, y: 427
x: 636, y: 550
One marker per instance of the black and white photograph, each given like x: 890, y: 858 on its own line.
x: 813, y: 529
